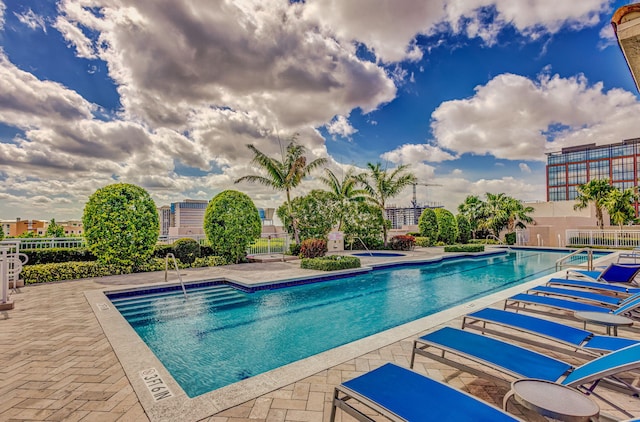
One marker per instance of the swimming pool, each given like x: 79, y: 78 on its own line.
x: 220, y: 335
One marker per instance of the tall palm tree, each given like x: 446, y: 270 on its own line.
x: 381, y: 185
x: 495, y: 211
x: 595, y: 191
x: 344, y: 191
x: 284, y: 174
x: 472, y: 208
x: 619, y: 205
x: 517, y: 214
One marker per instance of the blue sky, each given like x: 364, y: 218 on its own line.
x: 165, y: 94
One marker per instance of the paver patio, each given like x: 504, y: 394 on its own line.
x: 58, y: 365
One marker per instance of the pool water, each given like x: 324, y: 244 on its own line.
x: 219, y: 335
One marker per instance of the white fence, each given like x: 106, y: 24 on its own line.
x: 11, y: 262
x: 606, y: 238
x: 46, y: 242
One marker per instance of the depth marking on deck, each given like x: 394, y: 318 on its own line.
x: 158, y: 389
x: 102, y: 306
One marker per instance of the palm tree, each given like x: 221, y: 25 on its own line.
x: 380, y: 185
x: 595, y: 191
x: 619, y: 205
x: 495, y: 212
x: 517, y: 214
x: 284, y: 175
x: 344, y: 191
x: 472, y: 208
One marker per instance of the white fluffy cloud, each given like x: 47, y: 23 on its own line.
x: 2, y: 9
x: 32, y: 20
x: 340, y: 126
x: 512, y: 116
x: 417, y: 153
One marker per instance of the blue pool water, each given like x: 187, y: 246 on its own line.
x: 219, y: 335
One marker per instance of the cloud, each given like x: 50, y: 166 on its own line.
x: 417, y: 153
x: 513, y: 117
x: 2, y: 9
x: 33, y: 21
x: 76, y: 38
x: 524, y: 168
x: 340, y: 126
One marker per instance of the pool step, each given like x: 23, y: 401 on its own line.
x: 153, y: 295
x: 161, y: 307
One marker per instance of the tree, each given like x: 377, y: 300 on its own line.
x: 447, y: 226
x: 517, y: 214
x: 316, y: 214
x: 495, y: 212
x: 428, y: 225
x: 284, y: 175
x: 472, y: 208
x: 595, y: 191
x: 54, y: 229
x: 231, y: 223
x: 1, y: 233
x: 344, y: 192
x: 619, y: 205
x: 381, y: 185
x: 464, y: 229
x: 362, y: 225
x: 121, y: 224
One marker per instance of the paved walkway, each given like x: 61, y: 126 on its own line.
x: 56, y: 364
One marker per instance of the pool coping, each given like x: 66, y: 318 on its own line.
x: 172, y: 403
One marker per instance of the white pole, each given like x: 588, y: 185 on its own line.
x: 4, y: 275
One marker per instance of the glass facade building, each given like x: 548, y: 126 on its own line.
x: 573, y: 166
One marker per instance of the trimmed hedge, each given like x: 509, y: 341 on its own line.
x: 422, y: 241
x: 56, y: 255
x: 45, y: 273
x: 464, y: 248
x: 402, y: 243
x: 330, y: 263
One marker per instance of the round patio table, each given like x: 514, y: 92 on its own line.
x: 553, y: 400
x: 606, y: 319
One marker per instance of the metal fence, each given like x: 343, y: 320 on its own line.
x: 276, y: 243
x: 605, y: 238
x: 46, y: 242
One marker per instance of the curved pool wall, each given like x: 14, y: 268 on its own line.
x: 378, y: 254
x: 137, y: 359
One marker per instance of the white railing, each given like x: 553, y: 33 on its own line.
x: 47, y: 242
x: 275, y: 243
x: 11, y: 262
x: 605, y: 238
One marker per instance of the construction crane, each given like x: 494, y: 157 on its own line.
x: 414, y: 201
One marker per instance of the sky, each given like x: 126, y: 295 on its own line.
x: 167, y: 94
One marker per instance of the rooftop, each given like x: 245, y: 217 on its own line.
x: 58, y: 363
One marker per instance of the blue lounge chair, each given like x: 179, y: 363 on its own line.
x: 616, y: 289
x: 614, y: 273
x: 544, y: 330
x: 582, y: 295
x: 519, y: 301
x: 519, y: 362
x: 403, y: 395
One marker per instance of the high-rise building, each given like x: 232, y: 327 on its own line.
x: 164, y: 218
x: 400, y: 217
x: 574, y: 166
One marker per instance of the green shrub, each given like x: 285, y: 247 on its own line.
x: 428, y: 225
x: 330, y: 263
x: 53, y: 255
x: 510, y: 238
x: 447, y: 226
x: 121, y: 224
x: 402, y: 243
x: 313, y: 248
x: 294, y: 249
x: 186, y: 250
x: 464, y: 228
x: 464, y: 248
x: 422, y: 241
x: 232, y: 223
x: 161, y: 251
x: 414, y: 234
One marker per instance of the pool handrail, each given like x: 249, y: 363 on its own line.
x: 175, y: 264
x: 589, y: 252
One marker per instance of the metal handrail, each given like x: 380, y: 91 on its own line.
x: 363, y: 244
x: 560, y: 262
x: 500, y: 242
x: 175, y: 264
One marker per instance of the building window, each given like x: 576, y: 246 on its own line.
x: 572, y: 192
x: 557, y: 175
x: 599, y: 170
x: 622, y: 168
x: 577, y: 174
x: 558, y: 194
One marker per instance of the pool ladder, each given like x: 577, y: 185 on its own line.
x: 560, y: 263
x: 175, y: 265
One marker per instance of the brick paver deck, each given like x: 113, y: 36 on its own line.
x: 56, y: 363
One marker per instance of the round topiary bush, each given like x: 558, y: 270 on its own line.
x: 186, y: 250
x: 231, y: 223
x: 447, y: 226
x: 428, y: 226
x: 121, y: 225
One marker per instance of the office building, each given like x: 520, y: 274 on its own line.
x: 574, y: 166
